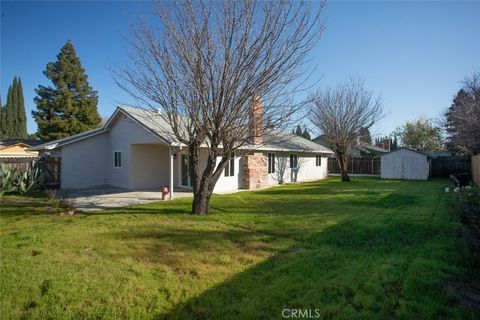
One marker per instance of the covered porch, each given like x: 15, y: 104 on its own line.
x: 154, y: 166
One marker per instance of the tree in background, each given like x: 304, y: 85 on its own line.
x: 463, y: 117
x: 2, y: 120
x: 365, y: 135
x: 301, y: 133
x: 421, y: 134
x: 13, y: 119
x: 70, y: 106
x: 306, y: 134
x: 341, y: 113
x: 207, y: 65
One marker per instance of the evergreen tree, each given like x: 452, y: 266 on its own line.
x: 14, y: 120
x: 306, y: 134
x: 298, y: 131
x: 70, y: 107
x: 2, y: 119
x: 9, y: 112
x: 21, y: 118
x: 365, y: 136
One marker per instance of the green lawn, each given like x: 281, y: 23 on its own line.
x: 365, y: 249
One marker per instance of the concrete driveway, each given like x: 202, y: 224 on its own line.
x: 111, y: 197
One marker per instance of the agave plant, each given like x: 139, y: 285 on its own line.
x: 31, y: 180
x: 8, y: 178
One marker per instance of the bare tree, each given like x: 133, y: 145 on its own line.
x: 341, y: 113
x: 205, y: 65
x: 463, y: 117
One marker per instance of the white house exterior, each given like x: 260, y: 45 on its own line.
x: 405, y: 164
x: 135, y: 150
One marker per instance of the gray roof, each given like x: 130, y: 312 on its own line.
x: 153, y: 121
x: 283, y: 141
x: 61, y: 142
x: 157, y: 125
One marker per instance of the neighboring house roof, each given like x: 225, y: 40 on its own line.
x: 4, y: 143
x: 362, y: 146
x: 408, y: 149
x: 368, y: 148
x: 17, y: 148
x: 155, y: 123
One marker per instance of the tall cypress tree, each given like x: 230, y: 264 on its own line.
x: 10, y: 112
x: 2, y: 121
x: 70, y: 106
x: 21, y: 118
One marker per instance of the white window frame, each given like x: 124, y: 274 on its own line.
x: 295, y: 157
x: 230, y: 167
x: 121, y: 160
x: 318, y: 160
x: 271, y: 158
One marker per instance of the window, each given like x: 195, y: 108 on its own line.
x: 230, y: 167
x: 117, y: 159
x: 318, y: 161
x: 271, y: 163
x: 293, y: 161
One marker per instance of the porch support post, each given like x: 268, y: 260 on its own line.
x: 170, y: 171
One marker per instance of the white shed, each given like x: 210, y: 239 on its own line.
x: 405, y: 164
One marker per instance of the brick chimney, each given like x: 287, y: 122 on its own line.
x: 256, y: 118
x: 255, y: 162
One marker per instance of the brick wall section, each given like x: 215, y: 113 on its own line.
x: 255, y: 171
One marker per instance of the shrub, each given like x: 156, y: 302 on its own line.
x: 469, y: 206
x: 24, y: 182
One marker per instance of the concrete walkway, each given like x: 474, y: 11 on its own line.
x: 111, y: 197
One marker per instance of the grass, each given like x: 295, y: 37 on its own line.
x: 367, y: 249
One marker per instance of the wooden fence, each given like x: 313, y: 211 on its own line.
x: 357, y: 166
x: 445, y: 166
x: 20, y: 164
x: 476, y: 169
x: 50, y: 167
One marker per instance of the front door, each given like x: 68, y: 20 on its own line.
x: 186, y: 179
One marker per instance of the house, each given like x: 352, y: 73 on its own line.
x: 18, y: 148
x: 362, y: 150
x: 136, y: 149
x: 406, y: 164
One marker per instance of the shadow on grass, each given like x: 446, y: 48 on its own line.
x: 347, y: 271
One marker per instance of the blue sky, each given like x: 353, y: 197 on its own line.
x: 414, y: 54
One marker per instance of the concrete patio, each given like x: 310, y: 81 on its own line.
x: 111, y: 197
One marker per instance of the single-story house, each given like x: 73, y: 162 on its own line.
x: 136, y: 149
x: 406, y: 164
x: 18, y: 148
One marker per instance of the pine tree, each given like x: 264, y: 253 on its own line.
x: 365, y: 136
x: 306, y: 134
x: 298, y: 131
x: 70, y: 107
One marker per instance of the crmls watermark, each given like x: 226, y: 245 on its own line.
x: 301, y: 313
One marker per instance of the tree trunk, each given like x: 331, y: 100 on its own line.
x: 200, y: 204
x: 204, y: 182
x: 343, y: 162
